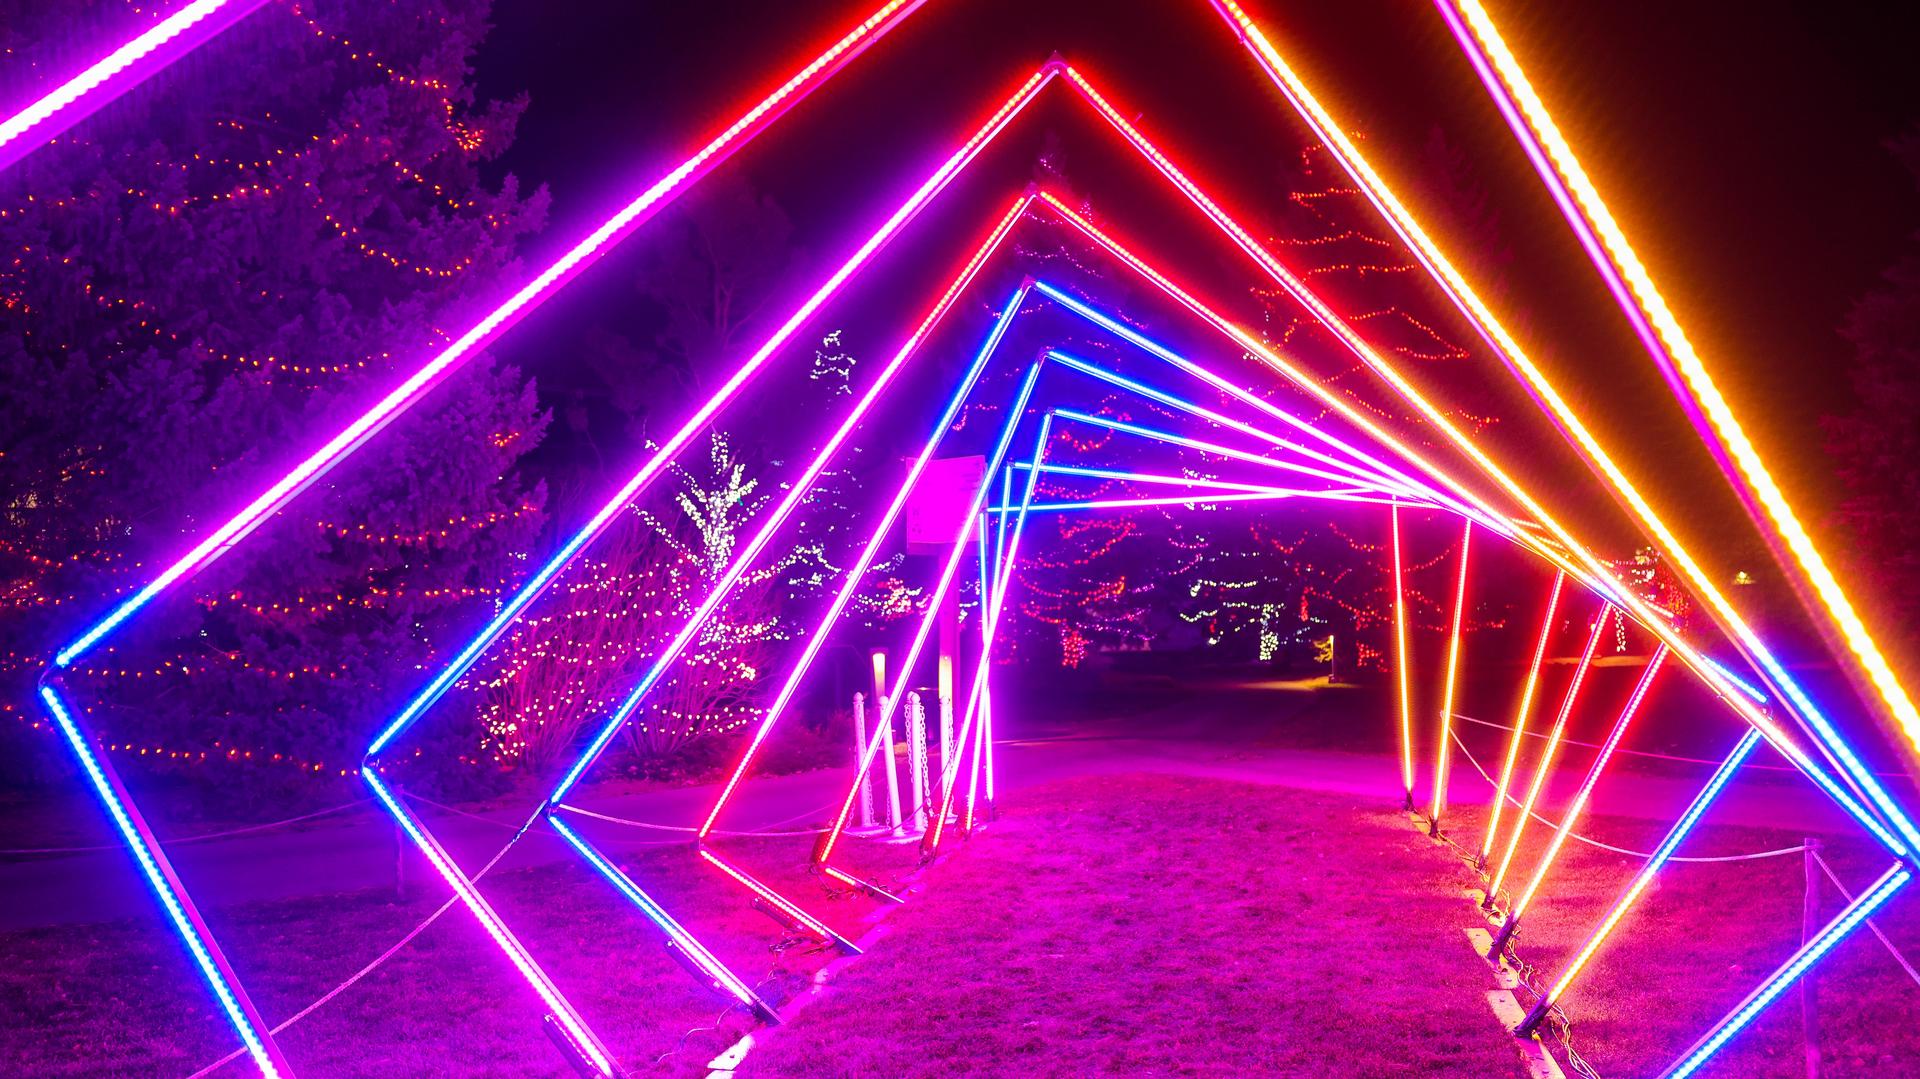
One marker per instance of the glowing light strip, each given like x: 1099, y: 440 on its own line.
x: 1579, y: 805
x: 1446, y: 696
x: 1895, y: 878
x: 1154, y: 478
x: 158, y: 871
x: 855, y: 574
x: 1380, y: 468
x: 517, y: 306
x: 1215, y: 448
x: 866, y: 886
x: 985, y: 748
x: 1639, y: 299
x: 1545, y: 765
x: 1520, y: 718
x: 937, y: 597
x: 1569, y: 555
x: 990, y: 628
x: 927, y: 191
x: 797, y: 491
x: 1400, y: 657
x: 1678, y: 833
x: 681, y: 939
x: 1349, y: 471
x: 116, y: 73
x: 785, y: 906
x: 1353, y: 494
x: 562, y: 1010
x: 1548, y: 397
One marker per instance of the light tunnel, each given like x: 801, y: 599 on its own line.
x: 1342, y: 455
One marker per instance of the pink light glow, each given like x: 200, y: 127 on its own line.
x: 1400, y: 656
x: 517, y: 306
x: 1520, y: 719
x: 1545, y: 765
x: 1446, y: 697
x: 856, y: 574
x: 1586, y: 786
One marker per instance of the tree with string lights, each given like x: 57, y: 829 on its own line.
x: 193, y: 287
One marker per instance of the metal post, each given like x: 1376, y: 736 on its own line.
x: 860, y: 747
x: 885, y: 760
x: 917, y: 760
x: 1810, y: 925
x: 1400, y: 658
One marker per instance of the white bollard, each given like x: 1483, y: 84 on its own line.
x: 917, y: 759
x: 884, y: 760
x: 859, y: 747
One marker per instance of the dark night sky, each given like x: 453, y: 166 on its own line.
x: 1743, y: 154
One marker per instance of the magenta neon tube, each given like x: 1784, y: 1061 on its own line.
x: 927, y: 191
x: 1580, y: 799
x: 797, y: 491
x: 856, y: 573
x: 117, y: 72
x: 897, y: 692
x: 517, y: 306
x: 1520, y: 718
x: 989, y: 629
x: 1543, y: 768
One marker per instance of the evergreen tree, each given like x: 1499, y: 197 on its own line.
x: 1876, y: 448
x: 201, y: 282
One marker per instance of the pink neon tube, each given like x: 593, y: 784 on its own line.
x: 1586, y: 786
x: 1400, y: 656
x: 517, y: 306
x: 1520, y: 719
x: 1574, y: 558
x: 1545, y: 766
x: 1446, y: 697
x: 797, y: 491
x: 990, y: 628
x: 116, y: 73
x: 562, y: 1010
x: 901, y: 679
x: 854, y: 577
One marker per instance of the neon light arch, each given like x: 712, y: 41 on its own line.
x: 1879, y: 812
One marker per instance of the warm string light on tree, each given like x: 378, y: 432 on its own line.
x: 364, y: 173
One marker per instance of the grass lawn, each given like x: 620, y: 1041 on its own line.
x: 1704, y: 936
x: 1153, y: 925
x: 120, y: 999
